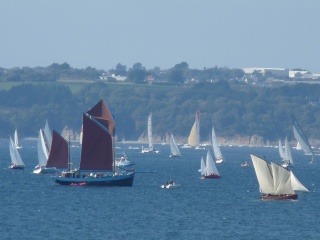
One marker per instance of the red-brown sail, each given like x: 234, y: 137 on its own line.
x: 58, y: 155
x: 97, y: 145
x: 101, y: 112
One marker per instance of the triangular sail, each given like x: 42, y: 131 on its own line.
x: 16, y: 139
x: 173, y: 147
x: 194, y: 137
x: 210, y: 165
x: 215, y: 146
x: 59, y: 152
x: 301, y: 137
x: 42, y: 150
x: 287, y: 152
x: 281, y: 178
x: 14, y: 154
x: 202, y: 167
x: 47, y: 136
x: 263, y: 173
x: 296, y: 184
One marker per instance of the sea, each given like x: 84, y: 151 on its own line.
x: 34, y: 207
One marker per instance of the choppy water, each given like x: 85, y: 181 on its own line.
x: 34, y: 207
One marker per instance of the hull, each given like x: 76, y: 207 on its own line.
x: 20, y: 167
x: 44, y: 170
x: 279, y: 197
x: 174, y: 156
x: 211, y: 176
x: 219, y: 161
x: 109, y: 181
x: 170, y: 186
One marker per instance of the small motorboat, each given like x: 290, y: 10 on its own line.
x: 245, y: 164
x: 170, y: 184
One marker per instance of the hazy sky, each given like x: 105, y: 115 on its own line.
x: 203, y: 33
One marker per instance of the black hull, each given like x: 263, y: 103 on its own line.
x: 123, y: 181
x: 18, y: 167
x: 279, y: 197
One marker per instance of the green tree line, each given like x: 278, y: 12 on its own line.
x: 231, y: 107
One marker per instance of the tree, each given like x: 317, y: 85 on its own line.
x: 137, y: 73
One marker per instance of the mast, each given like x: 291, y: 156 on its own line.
x: 69, y: 158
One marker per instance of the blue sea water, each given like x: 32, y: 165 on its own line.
x: 34, y: 207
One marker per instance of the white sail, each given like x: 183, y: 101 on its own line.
x: 42, y: 150
x: 47, y: 135
x: 202, y: 167
x: 281, y: 152
x: 274, y: 179
x: 296, y: 184
x: 287, y: 152
x: 210, y: 165
x: 174, y: 148
x: 16, y: 139
x: 150, y: 131
x: 14, y: 154
x: 263, y: 173
x: 194, y: 137
x: 216, y: 148
x: 281, y: 179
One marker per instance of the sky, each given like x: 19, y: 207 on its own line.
x: 161, y: 33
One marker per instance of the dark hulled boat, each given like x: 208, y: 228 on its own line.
x: 97, y: 163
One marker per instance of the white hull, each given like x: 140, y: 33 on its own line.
x: 45, y: 170
x: 171, y: 186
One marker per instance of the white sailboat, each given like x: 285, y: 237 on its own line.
x: 16, y: 140
x: 16, y: 161
x: 150, y: 148
x: 175, y: 152
x: 216, y: 148
x: 210, y: 170
x: 301, y: 138
x: 44, y: 145
x: 287, y: 156
x: 194, y: 137
x: 280, y: 148
x: 276, y: 182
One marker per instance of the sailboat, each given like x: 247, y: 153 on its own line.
x: 275, y: 181
x: 56, y: 158
x: 301, y: 138
x: 216, y: 148
x: 97, y: 162
x: 210, y: 170
x: 194, y: 136
x: 281, y: 151
x: 16, y: 161
x: 175, y: 152
x: 16, y: 140
x: 150, y: 148
x: 287, y: 156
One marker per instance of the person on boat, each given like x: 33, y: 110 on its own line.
x: 171, y: 181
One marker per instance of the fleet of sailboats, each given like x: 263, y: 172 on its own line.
x: 216, y: 148
x: 275, y: 181
x: 16, y: 161
x: 175, y: 152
